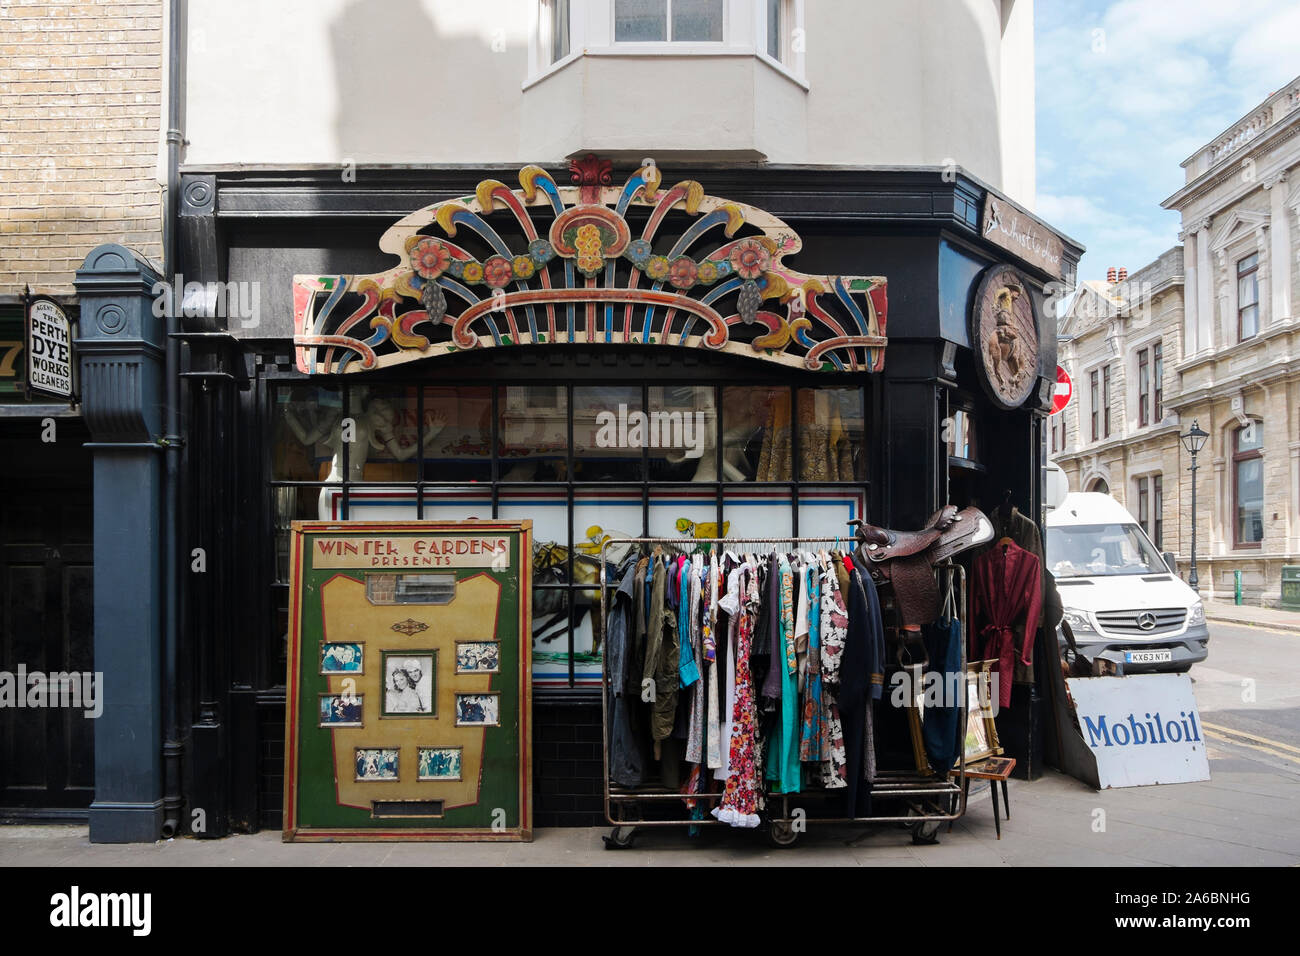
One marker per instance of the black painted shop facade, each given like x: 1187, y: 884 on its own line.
x: 919, y: 433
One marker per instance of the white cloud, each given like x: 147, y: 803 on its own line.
x: 1127, y: 90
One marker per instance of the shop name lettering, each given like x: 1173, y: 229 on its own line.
x: 626, y: 429
x: 411, y: 552
x: 1130, y: 731
x: 78, y: 690
x: 1028, y: 238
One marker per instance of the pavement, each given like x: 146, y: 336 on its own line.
x: 1243, y: 816
x: 1254, y: 616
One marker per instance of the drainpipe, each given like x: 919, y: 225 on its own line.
x: 172, y: 746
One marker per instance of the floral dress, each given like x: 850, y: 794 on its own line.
x: 834, y: 629
x: 740, y: 802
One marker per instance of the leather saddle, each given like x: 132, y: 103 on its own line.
x: 903, y: 560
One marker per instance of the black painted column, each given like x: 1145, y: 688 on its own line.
x: 121, y: 353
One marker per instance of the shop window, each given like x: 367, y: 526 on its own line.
x: 457, y: 434
x: 1248, y: 485
x: 608, y: 433
x: 756, y: 432
x: 587, y: 464
x: 1248, y: 297
x: 533, y: 425
x: 674, y: 21
x: 961, y: 435
x: 831, y: 433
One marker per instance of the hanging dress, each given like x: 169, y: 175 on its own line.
x: 834, y: 629
x: 740, y: 801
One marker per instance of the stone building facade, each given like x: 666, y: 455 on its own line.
x: 1222, y: 308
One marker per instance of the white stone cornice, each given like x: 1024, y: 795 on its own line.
x: 1274, y: 180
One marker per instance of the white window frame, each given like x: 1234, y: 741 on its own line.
x: 744, y: 33
x: 1133, y: 383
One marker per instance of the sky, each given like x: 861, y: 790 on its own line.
x: 1126, y: 91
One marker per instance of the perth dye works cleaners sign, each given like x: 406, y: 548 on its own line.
x: 48, y: 343
x: 409, y: 698
x: 1143, y: 729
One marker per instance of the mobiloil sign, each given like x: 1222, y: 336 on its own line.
x: 1142, y: 730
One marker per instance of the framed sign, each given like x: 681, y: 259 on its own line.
x: 47, y: 341
x: 981, y: 730
x: 409, y: 694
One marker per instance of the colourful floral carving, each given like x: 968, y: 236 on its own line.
x: 473, y: 272
x: 750, y: 259
x: 589, y: 243
x: 638, y: 250
x: 707, y: 272
x: 541, y: 251
x: 496, y: 271
x: 523, y: 266
x: 656, y: 267
x: 682, y: 272
x: 430, y: 258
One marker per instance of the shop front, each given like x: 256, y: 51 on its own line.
x: 697, y: 353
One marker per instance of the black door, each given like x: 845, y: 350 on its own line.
x: 46, y: 619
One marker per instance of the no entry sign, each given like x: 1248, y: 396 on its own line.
x: 1064, y: 390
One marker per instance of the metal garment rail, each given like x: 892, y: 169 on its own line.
x: 927, y: 794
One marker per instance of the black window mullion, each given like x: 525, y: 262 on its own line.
x: 494, y: 451
x: 796, y: 463
x: 569, y: 504
x: 345, y: 446
x: 419, y: 453
x: 719, y: 459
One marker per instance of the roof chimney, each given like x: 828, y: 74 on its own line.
x: 1110, y: 274
x: 1123, y: 274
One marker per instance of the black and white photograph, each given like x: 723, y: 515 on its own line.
x: 409, y: 683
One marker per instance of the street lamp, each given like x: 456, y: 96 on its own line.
x: 1193, y: 441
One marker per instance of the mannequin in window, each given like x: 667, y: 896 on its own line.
x: 374, y: 430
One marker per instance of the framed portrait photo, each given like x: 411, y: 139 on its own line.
x: 409, y: 689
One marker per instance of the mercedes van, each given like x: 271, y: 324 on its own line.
x: 1122, y: 600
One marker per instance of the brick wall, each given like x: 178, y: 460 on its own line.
x: 81, y: 93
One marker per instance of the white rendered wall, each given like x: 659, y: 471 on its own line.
x: 885, y: 82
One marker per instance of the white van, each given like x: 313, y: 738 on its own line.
x: 1121, y: 600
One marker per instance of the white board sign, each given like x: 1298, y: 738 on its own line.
x: 49, y: 349
x: 1143, y: 729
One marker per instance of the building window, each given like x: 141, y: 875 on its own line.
x: 1094, y: 404
x: 680, y: 21
x: 1105, y: 401
x: 1144, y: 388
x: 1158, y: 511
x: 554, y: 28
x: 586, y: 461
x: 1248, y: 297
x: 1144, y: 504
x: 1248, y: 486
x: 1157, y: 383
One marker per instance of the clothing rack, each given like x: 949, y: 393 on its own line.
x: 932, y: 799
